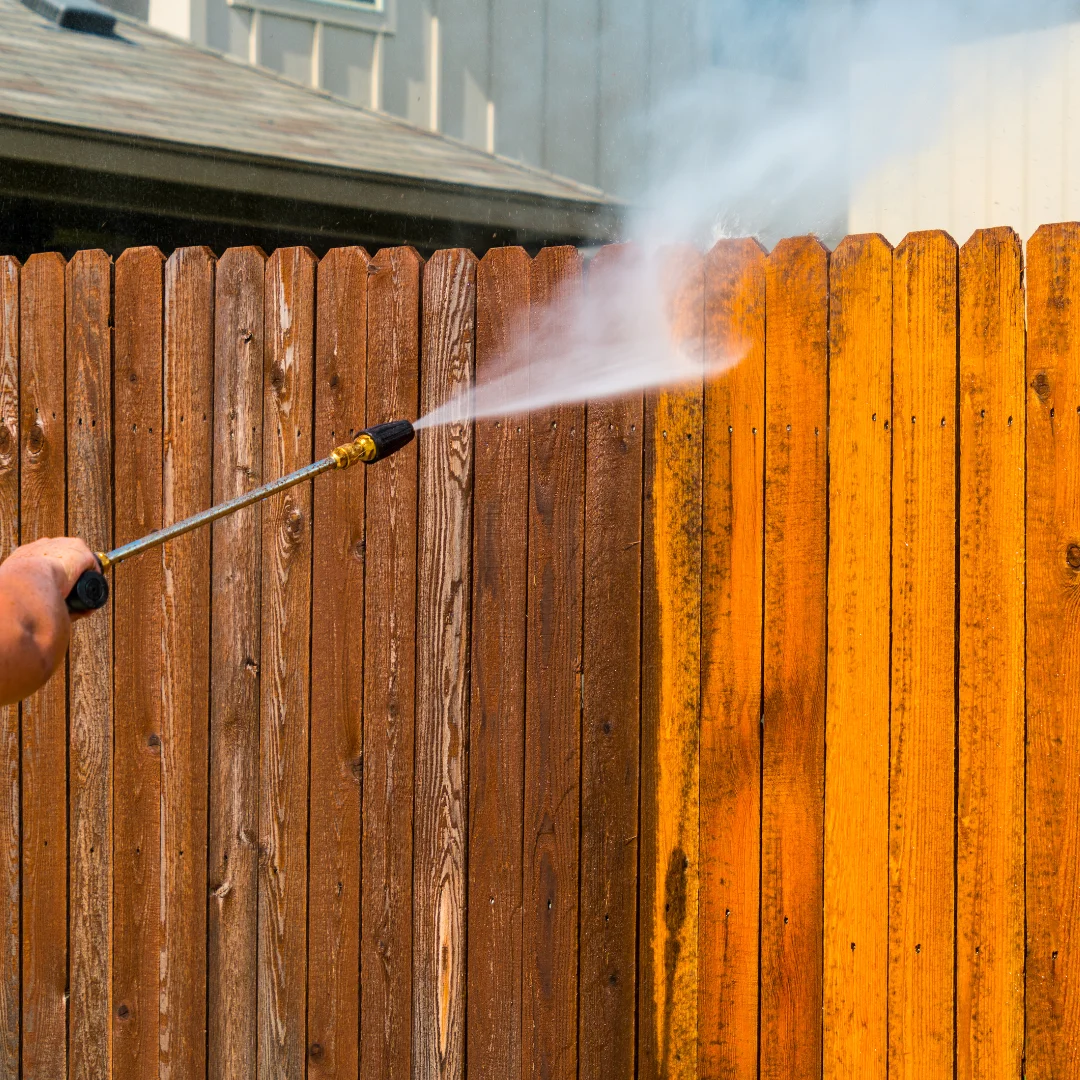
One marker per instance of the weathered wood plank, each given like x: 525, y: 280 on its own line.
x: 386, y: 952
x: 10, y: 938
x: 90, y: 699
x: 288, y: 370
x: 923, y: 724
x: 793, y: 746
x: 990, y: 796
x: 444, y: 587
x: 731, y: 619
x: 137, y: 591
x: 232, y: 874
x: 44, y: 714
x: 552, y: 701
x: 856, y: 943
x: 186, y: 488
x: 497, y: 709
x: 671, y: 700
x: 611, y: 712
x: 337, y: 674
x: 1053, y: 654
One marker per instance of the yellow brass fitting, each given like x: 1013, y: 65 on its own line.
x: 104, y: 560
x: 362, y: 448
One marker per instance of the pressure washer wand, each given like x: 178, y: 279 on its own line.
x: 91, y: 591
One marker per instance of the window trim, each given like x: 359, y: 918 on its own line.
x: 379, y: 17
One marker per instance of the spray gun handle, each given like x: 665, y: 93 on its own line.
x: 91, y: 592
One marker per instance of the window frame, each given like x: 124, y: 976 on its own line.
x: 378, y: 17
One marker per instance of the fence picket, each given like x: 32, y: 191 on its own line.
x: 386, y: 949
x: 922, y: 780
x: 10, y: 452
x: 284, y: 715
x: 90, y: 698
x: 1053, y: 673
x: 610, y: 716
x: 337, y: 673
x: 444, y: 586
x: 731, y: 624
x: 236, y: 656
x: 138, y: 587
x: 497, y: 708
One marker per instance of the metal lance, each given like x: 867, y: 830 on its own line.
x: 373, y: 444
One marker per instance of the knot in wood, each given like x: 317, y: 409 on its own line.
x: 315, y: 1052
x: 277, y: 377
x: 6, y: 442
x: 246, y: 335
x: 1041, y: 386
x: 123, y: 1012
x: 36, y: 440
x: 1072, y: 556
x: 294, y: 521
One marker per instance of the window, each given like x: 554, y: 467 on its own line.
x: 359, y: 14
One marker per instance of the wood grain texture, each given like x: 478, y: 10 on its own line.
x: 990, y: 795
x: 10, y: 794
x: 386, y: 950
x: 288, y: 370
x: 671, y: 699
x: 922, y: 779
x: 232, y: 872
x: 1053, y: 654
x: 186, y: 488
x: 856, y: 941
x: 44, y: 714
x: 90, y: 658
x: 731, y: 621
x: 444, y: 587
x: 611, y: 711
x: 793, y: 747
x: 337, y: 673
x: 138, y: 587
x: 553, y: 700
x: 497, y: 708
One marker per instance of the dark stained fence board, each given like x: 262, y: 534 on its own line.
x: 10, y: 452
x: 611, y: 713
x: 337, y: 673
x: 922, y: 777
x: 497, y: 709
x: 186, y: 488
x: 386, y: 953
x: 552, y: 704
x: 232, y: 873
x: 671, y: 696
x: 793, y: 749
x: 288, y: 369
x: 90, y: 708
x: 856, y: 941
x: 444, y: 547
x: 1053, y: 663
x: 138, y: 587
x: 731, y: 620
x: 44, y: 715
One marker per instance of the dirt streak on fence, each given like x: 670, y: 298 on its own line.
x: 726, y: 732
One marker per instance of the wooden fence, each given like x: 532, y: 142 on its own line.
x: 725, y: 733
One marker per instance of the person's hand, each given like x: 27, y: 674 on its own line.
x: 63, y: 558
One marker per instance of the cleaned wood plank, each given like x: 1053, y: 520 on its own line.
x: 793, y: 734
x: 337, y: 674
x: 611, y: 711
x: 444, y: 587
x: 10, y: 940
x: 186, y: 488
x: 497, y: 708
x: 1053, y: 654
x: 923, y: 736
x: 138, y: 587
x: 731, y: 621
x: 90, y: 659
x: 386, y: 923
x: 552, y: 702
x: 232, y: 873
x: 856, y: 942
x: 671, y: 700
x: 990, y: 795
x: 288, y: 370
x: 44, y: 714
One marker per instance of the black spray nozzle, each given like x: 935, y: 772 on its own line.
x: 387, y: 438
x: 91, y: 592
